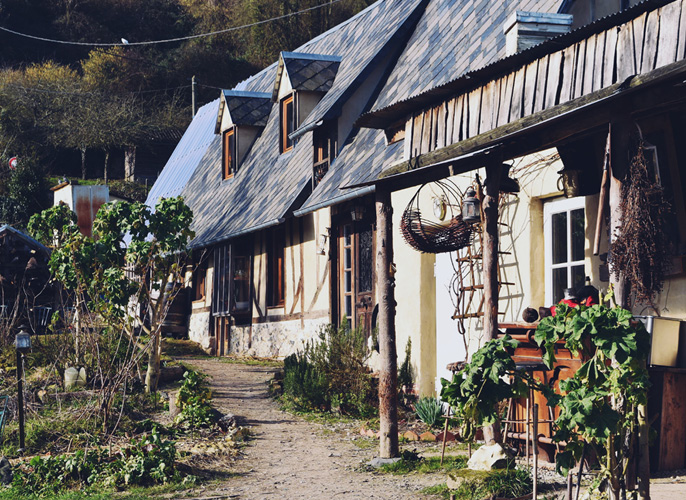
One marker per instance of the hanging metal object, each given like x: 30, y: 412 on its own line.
x: 471, y: 207
x: 446, y: 231
x: 568, y: 182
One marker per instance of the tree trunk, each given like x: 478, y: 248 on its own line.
x: 107, y: 161
x: 490, y: 277
x: 130, y: 163
x: 388, y: 372
x: 152, y: 375
x: 83, y: 163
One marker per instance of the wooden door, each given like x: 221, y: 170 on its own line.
x: 356, y: 274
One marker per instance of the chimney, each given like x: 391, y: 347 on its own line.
x: 526, y: 29
x: 84, y: 200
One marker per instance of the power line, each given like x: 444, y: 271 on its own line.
x: 169, y: 40
x: 84, y: 93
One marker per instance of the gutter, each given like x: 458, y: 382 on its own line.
x: 221, y: 239
x: 340, y: 199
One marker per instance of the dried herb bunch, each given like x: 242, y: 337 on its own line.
x: 642, y: 248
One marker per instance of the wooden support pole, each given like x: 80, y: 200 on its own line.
x: 490, y: 269
x: 535, y: 442
x: 388, y: 371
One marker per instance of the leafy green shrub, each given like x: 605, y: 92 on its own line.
x: 331, y: 373
x: 149, y: 460
x: 303, y: 383
x: 194, y: 401
x: 508, y: 483
x: 405, y: 372
x: 429, y: 410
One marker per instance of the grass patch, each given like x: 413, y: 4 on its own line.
x: 182, y: 347
x: 440, y: 490
x: 252, y: 361
x: 476, y: 485
x: 411, y: 462
x: 100, y: 493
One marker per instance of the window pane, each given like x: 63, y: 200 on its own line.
x: 559, y: 283
x: 348, y: 261
x: 559, y: 237
x: 346, y: 234
x: 578, y: 234
x: 366, y: 264
x: 289, y: 123
x: 348, y: 283
x: 348, y: 306
x: 578, y: 275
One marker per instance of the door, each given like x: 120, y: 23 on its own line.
x: 356, y: 274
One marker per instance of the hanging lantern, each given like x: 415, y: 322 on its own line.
x: 471, y: 207
x: 569, y: 182
x: 357, y: 212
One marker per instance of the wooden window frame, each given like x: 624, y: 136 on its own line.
x: 200, y: 280
x: 229, y: 159
x: 325, y: 139
x: 287, y: 128
x: 276, y: 275
x: 567, y: 205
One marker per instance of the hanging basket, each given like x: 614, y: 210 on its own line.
x: 431, y: 236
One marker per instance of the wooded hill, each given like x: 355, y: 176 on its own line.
x: 65, y: 107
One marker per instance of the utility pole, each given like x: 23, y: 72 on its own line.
x: 193, y: 96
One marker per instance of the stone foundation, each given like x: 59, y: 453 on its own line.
x: 199, y: 329
x: 275, y: 339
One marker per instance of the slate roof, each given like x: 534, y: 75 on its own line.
x: 354, y: 165
x: 310, y: 72
x: 469, y: 34
x: 268, y: 186
x: 434, y: 41
x: 245, y: 108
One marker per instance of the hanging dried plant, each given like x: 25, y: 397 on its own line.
x: 641, y: 250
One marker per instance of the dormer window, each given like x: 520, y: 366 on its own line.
x: 287, y: 122
x: 242, y: 117
x: 229, y: 159
x: 325, y: 141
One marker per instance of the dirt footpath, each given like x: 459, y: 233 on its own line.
x: 290, y: 458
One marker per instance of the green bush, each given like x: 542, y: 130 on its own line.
x: 195, y: 402
x: 331, y: 373
x: 149, y: 460
x: 429, y: 410
x: 508, y: 483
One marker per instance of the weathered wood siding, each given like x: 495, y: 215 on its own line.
x: 651, y: 40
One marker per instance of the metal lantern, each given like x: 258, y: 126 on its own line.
x: 569, y: 182
x: 357, y: 213
x: 471, y: 207
x: 22, y: 342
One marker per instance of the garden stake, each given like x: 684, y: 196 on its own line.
x: 581, y: 468
x: 445, y: 436
x: 528, y: 425
x: 535, y: 444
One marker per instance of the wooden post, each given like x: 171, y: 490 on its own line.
x: 388, y: 372
x: 490, y: 270
x: 535, y: 442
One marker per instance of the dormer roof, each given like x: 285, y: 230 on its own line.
x: 244, y: 108
x: 309, y: 72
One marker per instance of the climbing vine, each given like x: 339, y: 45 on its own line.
x: 598, y: 405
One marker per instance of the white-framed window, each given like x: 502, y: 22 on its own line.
x: 565, y: 246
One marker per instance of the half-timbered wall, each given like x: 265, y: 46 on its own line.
x: 652, y: 40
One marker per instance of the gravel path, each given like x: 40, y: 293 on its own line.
x: 291, y: 458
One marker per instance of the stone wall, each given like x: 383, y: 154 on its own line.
x: 199, y: 329
x: 274, y: 339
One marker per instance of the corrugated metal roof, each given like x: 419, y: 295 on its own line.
x: 186, y: 156
x: 26, y: 238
